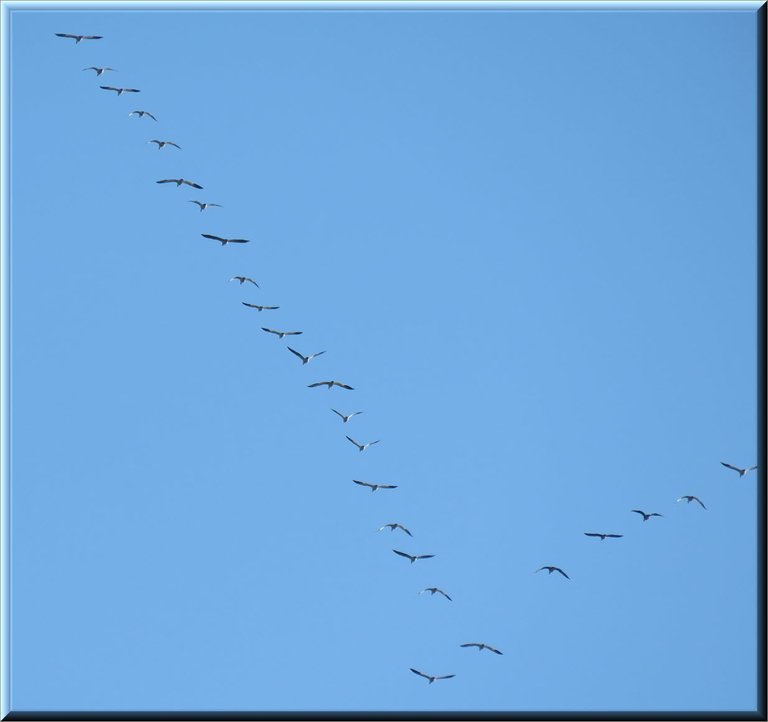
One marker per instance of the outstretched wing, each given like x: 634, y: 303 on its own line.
x: 400, y: 526
x: 193, y: 185
x: 206, y: 235
x: 557, y: 569
x: 696, y: 498
x: 446, y: 676
x: 354, y: 442
x: 614, y: 536
x: 421, y: 674
x: 295, y: 353
x: 390, y: 486
x: 588, y: 533
x: 731, y: 466
x: 364, y: 483
x: 318, y: 383
x: 470, y: 644
x: 422, y: 556
x: 109, y: 87
x: 403, y: 554
x: 343, y: 386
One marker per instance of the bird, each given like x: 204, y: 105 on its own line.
x: 119, y: 91
x: 435, y: 590
x: 179, y: 181
x: 413, y: 557
x: 99, y: 71
x: 346, y: 417
x: 363, y: 447
x: 373, y: 487
x: 281, y: 334
x: 78, y: 38
x: 162, y: 143
x: 224, y: 241
x: 690, y: 498
x: 603, y: 536
x: 646, y: 517
x: 260, y: 308
x: 394, y: 526
x: 330, y: 385
x: 142, y: 113
x: 480, y: 647
x: 242, y: 279
x: 554, y: 569
x: 305, y: 359
x: 431, y: 677
x: 741, y: 471
x: 203, y: 206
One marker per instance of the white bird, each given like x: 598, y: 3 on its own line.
x: 690, y: 498
x: 203, y: 206
x: 413, y: 557
x: 434, y: 591
x: 603, y: 536
x: 119, y: 91
x: 260, y: 308
x: 305, y: 359
x: 142, y: 113
x: 242, y: 279
x: 394, y: 526
x: 348, y: 416
x: 373, y: 487
x: 163, y: 143
x: 431, y: 677
x: 363, y: 447
x: 224, y: 241
x: 281, y: 334
x: 480, y: 646
x: 554, y: 569
x: 99, y: 71
x: 179, y: 181
x: 741, y: 471
x: 78, y: 38
x: 331, y: 384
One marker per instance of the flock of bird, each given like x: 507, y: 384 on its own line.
x: 346, y: 418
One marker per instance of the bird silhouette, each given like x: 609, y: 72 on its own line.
x: 554, y: 569
x: 78, y: 38
x: 330, y: 385
x: 480, y: 647
x: 431, y: 677
x: 603, y: 536
x: 690, y: 498
x: 203, y: 206
x: 163, y: 143
x: 180, y: 181
x: 374, y: 487
x: 646, y: 517
x: 142, y: 113
x: 99, y: 71
x: 282, y: 334
x: 224, y: 241
x: 394, y: 526
x: 413, y: 557
x: 435, y: 590
x: 363, y: 447
x: 242, y: 279
x: 346, y: 417
x: 741, y: 471
x: 260, y: 308
x: 119, y: 91
x: 305, y: 359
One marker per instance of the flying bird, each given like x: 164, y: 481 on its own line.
x: 142, y: 113
x: 741, y: 471
x: 603, y: 536
x: 305, y: 359
x: 646, y: 517
x: 224, y: 241
x: 394, y: 526
x: 373, y: 487
x: 260, y: 308
x: 435, y: 590
x: 690, y: 498
x: 348, y: 416
x: 430, y: 677
x: 413, y: 557
x: 363, y: 447
x: 179, y: 181
x: 203, y: 206
x: 99, y: 71
x: 281, y: 334
x: 163, y: 143
x: 554, y: 569
x: 242, y: 279
x: 480, y: 647
x: 119, y: 91
x: 330, y: 385
x: 78, y: 38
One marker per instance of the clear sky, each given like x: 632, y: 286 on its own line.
x: 526, y: 239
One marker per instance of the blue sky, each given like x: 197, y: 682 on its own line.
x: 526, y: 239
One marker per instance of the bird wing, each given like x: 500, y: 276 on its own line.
x: 65, y: 35
x: 587, y: 533
x: 92, y: 37
x: 314, y: 355
x: 234, y: 278
x: 637, y: 511
x: 131, y: 90
x: 194, y: 185
x: 403, y: 554
x: 445, y: 595
x: 334, y: 410
x: 421, y: 674
x: 614, y: 536
x: 364, y: 483
x: 562, y: 572
x: 354, y: 442
x: 108, y: 87
x: 389, y: 486
x: 424, y: 556
x: 301, y: 356
x: 446, y: 676
x: 343, y: 386
x: 493, y: 649
x: 371, y: 443
x: 700, y: 501
x: 237, y: 240
x: 206, y: 235
x: 173, y: 144
x: 470, y: 644
x: 167, y: 180
x: 269, y: 330
x: 318, y: 383
x: 655, y: 514
x: 250, y: 305
x: 405, y: 530
x: 150, y: 115
x: 752, y: 468
x: 731, y: 466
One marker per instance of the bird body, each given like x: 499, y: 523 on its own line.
x: 394, y: 526
x: 554, y: 569
x: 431, y: 677
x: 413, y: 557
x: 374, y: 487
x: 260, y: 308
x: 646, y: 517
x: 690, y: 498
x: 203, y: 206
x: 242, y: 279
x: 481, y: 646
x: 305, y: 359
x: 119, y: 91
x: 346, y: 417
x: 330, y: 385
x: 78, y: 38
x: 163, y: 143
x: 224, y: 241
x: 435, y: 590
x: 179, y: 181
x: 741, y: 471
x: 363, y: 447
x: 603, y: 536
x: 281, y: 334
